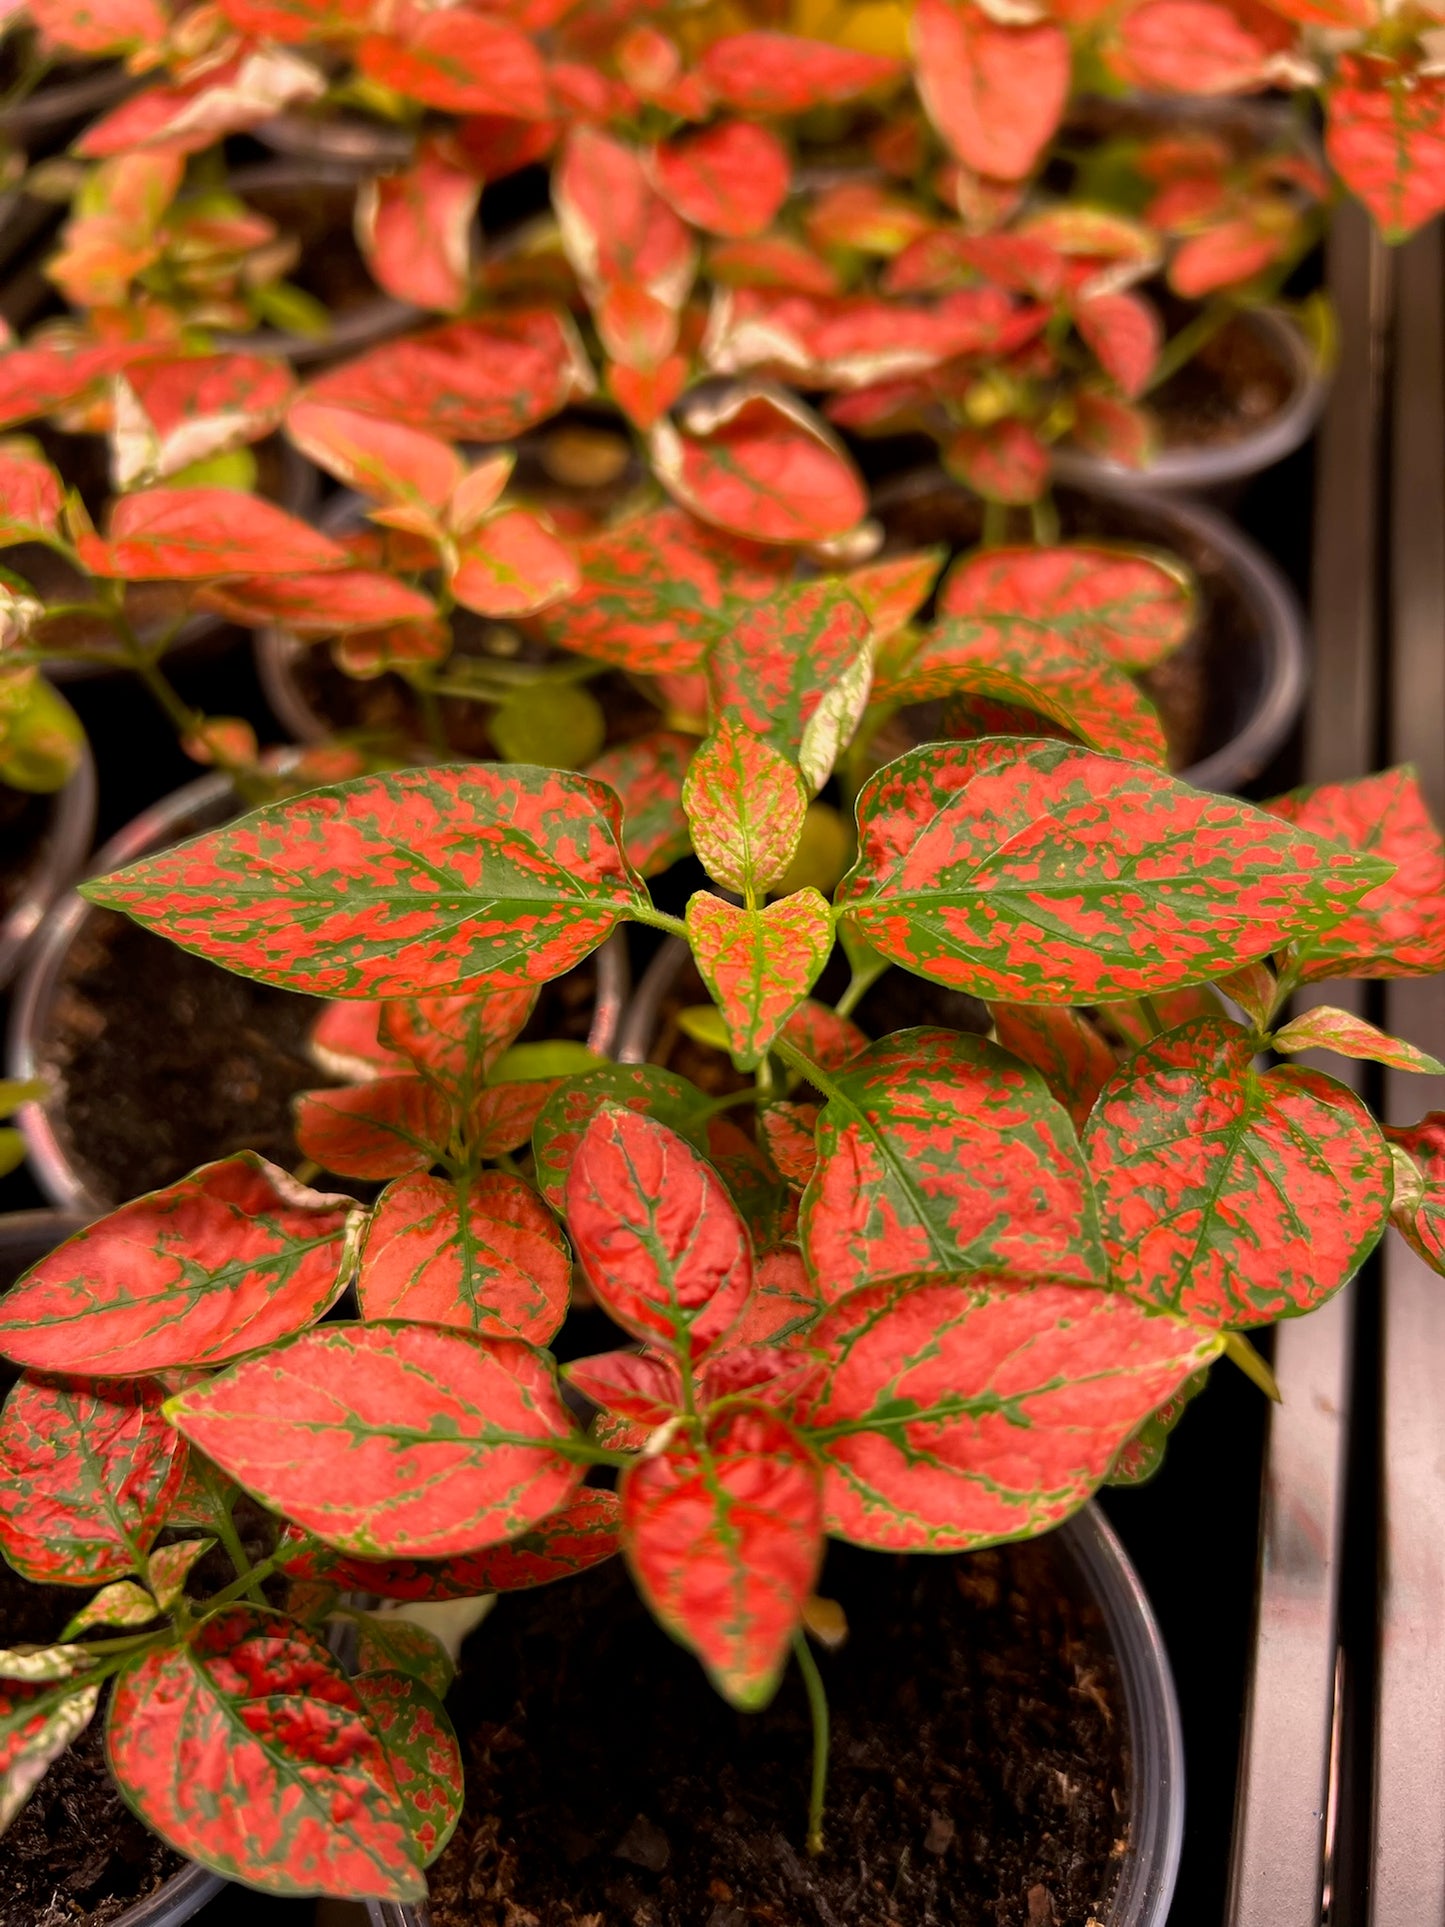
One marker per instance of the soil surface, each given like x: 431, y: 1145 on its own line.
x: 1231, y: 388
x: 978, y: 1769
x: 76, y: 1856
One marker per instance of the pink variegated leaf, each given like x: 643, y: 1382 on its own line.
x: 1134, y: 607
x: 1006, y: 462
x: 820, y: 1033
x: 1125, y: 334
x: 1064, y: 1048
x: 568, y: 1113
x: 745, y: 802
x: 789, y: 1132
x: 1189, y: 47
x: 1325, y: 1028
x: 892, y: 592
x: 462, y: 61
x: 648, y: 775
x: 626, y: 243
x: 1418, y: 1210
x: 994, y: 92
x: 455, y: 1041
x: 759, y: 464
x: 380, y: 458
x: 512, y: 565
x: 730, y: 179
x: 377, y: 1130
x: 644, y: 1387
x: 1385, y: 138
x: 415, y: 228
x: 1106, y: 425
x: 328, y: 604
x: 784, y: 1303
x: 759, y: 964
x: 764, y: 74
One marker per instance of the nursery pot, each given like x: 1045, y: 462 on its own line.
x: 25, y: 1238
x: 1243, y: 673
x: 1154, y: 1742
x: 1208, y: 465
x: 59, y: 852
x: 46, y: 1001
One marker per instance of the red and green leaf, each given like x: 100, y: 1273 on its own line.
x: 1190, y: 47
x: 186, y: 534
x: 1132, y: 607
x: 461, y: 61
x: 488, y: 1258
x: 648, y: 775
x: 37, y: 1723
x: 398, y: 885
x: 764, y: 74
x: 1385, y: 138
x: 1125, y: 335
x: 996, y: 93
x: 820, y: 1033
x: 893, y: 1192
x: 227, y: 1260
x: 630, y: 251
x: 1418, y: 1211
x: 87, y: 1476
x: 644, y: 1387
x: 1325, y: 1028
x: 758, y: 964
x: 381, y: 458
x: 248, y: 1749
x: 415, y: 228
x: 1006, y: 462
x: 328, y: 604
x: 745, y: 802
x: 421, y: 1750
x: 387, y: 1643
x: 959, y: 1412
x: 789, y: 1133
x: 784, y: 1304
x: 456, y: 1041
x: 657, y: 1236
x: 1064, y: 1048
x: 760, y: 464
x: 1039, y: 873
x: 724, y: 1536
x: 512, y: 565
x: 1233, y: 1197
x: 31, y: 493
x: 384, y: 1129
x: 392, y: 1440
x: 565, y: 1118
x: 730, y: 178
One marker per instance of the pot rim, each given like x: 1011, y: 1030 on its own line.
x: 176, y: 1900
x: 1210, y: 467
x: 1150, y: 1866
x: 72, y: 824
x: 158, y: 825
x: 1261, y: 584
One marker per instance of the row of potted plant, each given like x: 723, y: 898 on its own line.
x: 770, y: 478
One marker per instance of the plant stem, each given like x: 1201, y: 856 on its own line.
x: 660, y: 920
x: 995, y: 523
x: 431, y: 716
x: 1183, y: 347
x: 1255, y: 1368
x: 818, y: 1707
x: 797, y: 1060
x: 1151, y: 1017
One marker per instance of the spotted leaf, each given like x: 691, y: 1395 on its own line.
x: 730, y: 178
x: 758, y: 964
x: 789, y: 1133
x: 1418, y: 1211
x: 37, y: 1724
x: 1016, y: 661
x: 1397, y: 930
x: 377, y: 1130
x: 1325, y: 1028
x: 657, y: 1236
x: 578, y: 1535
x: 1232, y: 1197
x: 461, y: 61
x: 325, y: 604
x: 724, y: 1535
x: 782, y: 73
x: 630, y: 251
x: 785, y: 1303
x: 397, y: 885
x: 1124, y: 334
x: 745, y: 802
x: 421, y: 1750
x: 1135, y: 608
x: 480, y: 380
x: 415, y: 228
x: 1189, y: 47
x: 795, y: 671
x: 760, y: 464
x: 31, y: 493
x: 487, y: 1257
x: 456, y: 1041
x: 995, y: 92
x: 893, y: 591
x: 648, y: 774
x: 247, y: 1748
x: 227, y: 1260
x: 182, y: 534
x: 820, y: 1033
x: 892, y: 1193
x: 87, y: 1475
x: 391, y: 1440
x: 959, y: 1412
x: 385, y: 1642
x: 1063, y: 1046
x: 381, y: 458
x: 568, y: 1112
x: 1039, y: 873
x: 1385, y: 138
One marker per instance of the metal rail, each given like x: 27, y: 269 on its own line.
x: 1283, y: 1831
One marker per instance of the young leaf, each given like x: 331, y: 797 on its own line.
x: 1231, y: 1197
x: 745, y: 803
x: 385, y: 1642
x: 1325, y: 1028
x: 511, y: 565
x: 1063, y: 1046
x: 397, y: 885
x: 391, y: 1440
x: 644, y: 1387
x: 488, y: 1258
x: 725, y: 1538
x: 383, y: 1129
x: 422, y: 1751
x: 569, y: 1111
x: 781, y: 73
x: 481, y: 380
x: 1125, y: 335
x: 326, y: 604
x: 1005, y: 462
x: 31, y: 493
x: 659, y: 1239
x: 227, y: 1260
x: 1010, y: 659
x: 461, y: 61
x: 1039, y: 873
x: 630, y: 251
x: 37, y: 1724
x: 122, y: 1603
x: 758, y: 964
x: 784, y: 1303
x: 648, y: 775
x: 169, y: 1567
x: 248, y: 1749
x: 182, y: 534
x: 959, y: 1412
x: 456, y: 1041
x: 1135, y: 608
x: 87, y: 1475
x: 730, y: 178
x: 658, y: 590
x: 172, y: 413
x: 380, y: 458
x: 894, y: 1192
x: 1418, y: 1212
x: 795, y: 671
x: 760, y: 464
x: 578, y: 1535
x: 994, y: 92
x: 1397, y: 930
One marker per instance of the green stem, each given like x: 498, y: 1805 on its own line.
x: 1255, y: 1368
x: 995, y: 524
x: 1151, y: 1016
x: 818, y: 1707
x: 1044, y: 517
x: 1181, y: 349
x: 432, y: 721
x: 659, y: 920
x: 731, y: 1101
x: 800, y: 1062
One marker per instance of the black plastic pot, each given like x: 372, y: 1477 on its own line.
x: 199, y: 806
x: 1255, y: 683
x: 58, y: 859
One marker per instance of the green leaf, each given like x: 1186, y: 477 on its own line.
x: 558, y: 724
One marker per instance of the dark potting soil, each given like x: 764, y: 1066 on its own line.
x: 166, y: 1061
x: 978, y: 1766
x: 1236, y: 383
x: 76, y: 1856
x: 24, y: 820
